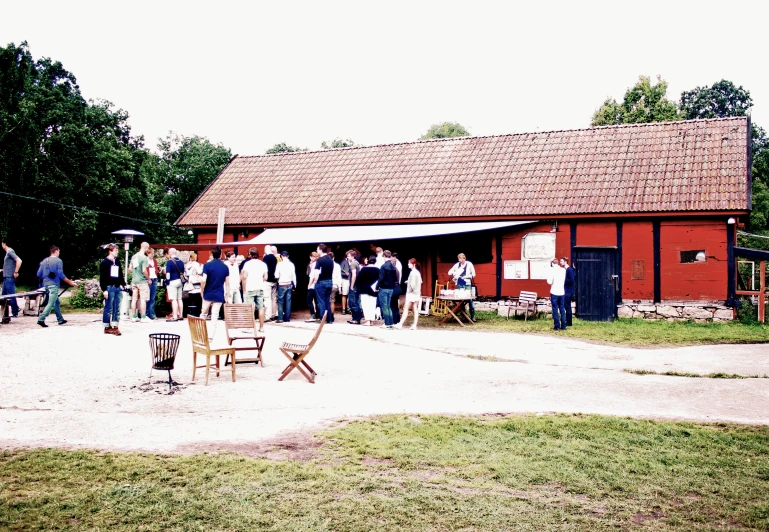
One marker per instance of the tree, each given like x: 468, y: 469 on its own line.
x: 721, y: 100
x: 445, y: 130
x: 337, y: 143
x: 282, y: 147
x: 186, y: 166
x: 643, y: 103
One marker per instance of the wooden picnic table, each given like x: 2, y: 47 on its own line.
x: 456, y: 305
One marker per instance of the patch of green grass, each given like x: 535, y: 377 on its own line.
x: 719, y: 375
x: 415, y: 473
x: 633, y: 332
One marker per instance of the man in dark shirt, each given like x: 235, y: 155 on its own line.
x: 215, y: 284
x: 11, y: 265
x: 388, y: 278
x: 112, y: 284
x: 270, y: 286
x: 324, y: 269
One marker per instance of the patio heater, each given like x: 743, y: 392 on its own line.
x: 128, y: 237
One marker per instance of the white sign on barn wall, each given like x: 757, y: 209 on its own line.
x: 538, y: 246
x: 539, y: 269
x: 516, y: 269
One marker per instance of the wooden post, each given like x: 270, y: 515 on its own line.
x: 762, y: 292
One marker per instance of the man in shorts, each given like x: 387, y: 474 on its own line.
x: 214, y: 286
x: 175, y: 288
x: 140, y: 288
x: 253, y: 278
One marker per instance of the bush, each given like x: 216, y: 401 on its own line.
x: 81, y: 300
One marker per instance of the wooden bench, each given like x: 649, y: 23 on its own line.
x: 5, y: 304
x: 527, y: 302
x: 296, y: 353
x: 240, y: 324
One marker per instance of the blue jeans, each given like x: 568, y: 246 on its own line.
x: 151, y: 302
x: 284, y: 302
x: 323, y: 293
x: 9, y: 287
x: 353, y: 301
x: 557, y: 303
x: 112, y: 306
x: 567, y: 299
x: 385, y: 295
x: 53, y: 304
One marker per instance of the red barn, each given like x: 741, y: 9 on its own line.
x: 647, y: 213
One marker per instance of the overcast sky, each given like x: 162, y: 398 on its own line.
x: 252, y: 74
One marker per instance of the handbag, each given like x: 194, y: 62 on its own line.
x: 182, y: 275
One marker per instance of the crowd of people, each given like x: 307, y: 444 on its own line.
x: 370, y: 286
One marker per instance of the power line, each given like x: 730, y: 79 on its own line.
x: 88, y: 210
x: 743, y: 233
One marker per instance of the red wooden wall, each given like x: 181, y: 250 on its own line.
x: 638, y: 247
x: 695, y: 280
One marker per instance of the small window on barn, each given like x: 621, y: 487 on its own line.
x: 697, y: 255
x: 637, y: 270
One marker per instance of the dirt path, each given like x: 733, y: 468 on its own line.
x: 73, y: 386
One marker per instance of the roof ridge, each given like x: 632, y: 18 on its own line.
x: 501, y: 135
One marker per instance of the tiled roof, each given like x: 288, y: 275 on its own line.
x: 696, y: 165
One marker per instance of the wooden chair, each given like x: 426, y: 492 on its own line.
x: 527, y: 302
x: 240, y: 324
x: 439, y: 307
x: 296, y: 353
x: 200, y: 344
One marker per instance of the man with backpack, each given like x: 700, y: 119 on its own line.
x: 51, y: 270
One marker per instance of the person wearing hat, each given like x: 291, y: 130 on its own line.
x: 285, y: 276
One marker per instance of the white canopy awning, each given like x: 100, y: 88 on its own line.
x: 357, y: 233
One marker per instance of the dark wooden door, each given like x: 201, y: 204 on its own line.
x: 596, y: 281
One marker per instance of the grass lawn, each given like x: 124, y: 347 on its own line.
x: 415, y: 473
x: 634, y: 332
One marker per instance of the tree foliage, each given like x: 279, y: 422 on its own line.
x: 282, y: 147
x: 337, y: 143
x: 644, y: 102
x: 721, y: 100
x: 63, y: 152
x: 445, y: 130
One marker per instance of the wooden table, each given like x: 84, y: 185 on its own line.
x: 5, y: 303
x: 456, y: 305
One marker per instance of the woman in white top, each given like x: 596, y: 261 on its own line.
x: 194, y: 271
x: 413, y: 294
x: 336, y: 280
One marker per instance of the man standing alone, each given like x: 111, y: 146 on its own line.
x: 323, y: 273
x: 111, y: 281
x: 11, y: 265
x: 556, y: 278
x: 51, y: 270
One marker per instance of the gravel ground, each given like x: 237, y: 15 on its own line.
x: 72, y: 386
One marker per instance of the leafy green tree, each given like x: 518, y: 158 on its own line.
x: 721, y: 100
x: 60, y: 150
x: 282, y: 147
x: 186, y: 167
x: 337, y: 143
x: 445, y: 130
x: 644, y: 102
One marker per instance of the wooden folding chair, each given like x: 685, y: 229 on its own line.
x: 527, y: 302
x: 240, y: 324
x: 200, y: 344
x: 296, y: 353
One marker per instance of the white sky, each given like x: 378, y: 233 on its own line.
x: 252, y: 74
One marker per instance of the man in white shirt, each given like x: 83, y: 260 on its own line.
x: 556, y: 278
x: 253, y: 278
x: 285, y: 273
x: 463, y: 273
x: 380, y: 258
x: 234, y: 295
